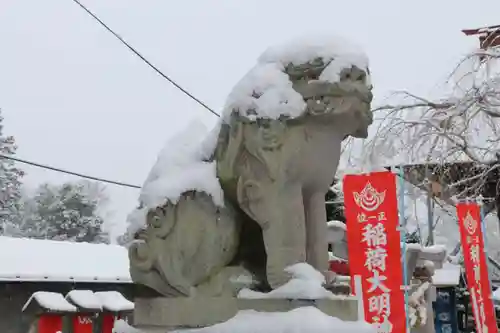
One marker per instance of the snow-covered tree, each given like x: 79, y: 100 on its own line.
x: 461, y: 125
x: 10, y: 185
x: 452, y: 140
x: 67, y: 212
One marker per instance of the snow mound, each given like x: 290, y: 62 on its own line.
x: 121, y: 326
x: 306, y: 283
x: 340, y: 52
x: 301, y: 320
x: 182, y: 165
x: 266, y: 90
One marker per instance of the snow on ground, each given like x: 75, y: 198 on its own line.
x: 265, y: 92
x: 121, y: 326
x: 301, y: 320
x: 46, y: 260
x: 306, y: 283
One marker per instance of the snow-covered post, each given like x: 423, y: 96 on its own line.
x: 358, y: 291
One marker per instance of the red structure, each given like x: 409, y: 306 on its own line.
x: 341, y: 267
x: 81, y: 311
x: 488, y: 36
x: 50, y: 323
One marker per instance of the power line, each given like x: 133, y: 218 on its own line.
x: 147, y: 61
x: 38, y: 165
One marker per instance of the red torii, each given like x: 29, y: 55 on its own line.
x: 488, y: 36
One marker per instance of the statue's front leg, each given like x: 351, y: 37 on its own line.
x: 316, y: 231
x: 284, y: 234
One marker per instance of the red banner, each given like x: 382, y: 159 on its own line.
x: 373, y: 238
x: 469, y: 221
x: 82, y: 324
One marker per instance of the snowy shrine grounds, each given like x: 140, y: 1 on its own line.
x: 51, y: 272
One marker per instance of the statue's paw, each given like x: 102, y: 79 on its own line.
x: 276, y: 277
x: 330, y: 278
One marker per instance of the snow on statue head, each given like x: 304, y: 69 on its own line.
x: 251, y: 198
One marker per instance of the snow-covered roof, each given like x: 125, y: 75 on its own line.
x: 50, y: 301
x: 114, y: 301
x: 84, y: 299
x: 45, y: 260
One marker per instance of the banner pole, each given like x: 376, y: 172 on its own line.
x: 402, y: 230
x: 485, y: 242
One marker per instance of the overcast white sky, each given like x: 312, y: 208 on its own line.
x: 75, y: 98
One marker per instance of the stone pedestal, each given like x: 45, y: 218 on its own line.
x: 163, y: 314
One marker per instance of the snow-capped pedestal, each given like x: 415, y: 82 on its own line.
x: 303, y: 294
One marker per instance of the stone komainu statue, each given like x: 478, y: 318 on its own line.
x: 274, y: 173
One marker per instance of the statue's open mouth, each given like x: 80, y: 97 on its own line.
x: 336, y: 105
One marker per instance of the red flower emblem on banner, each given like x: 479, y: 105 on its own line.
x: 369, y: 198
x: 470, y: 224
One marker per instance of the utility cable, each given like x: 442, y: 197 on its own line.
x: 38, y: 165
x: 166, y: 77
